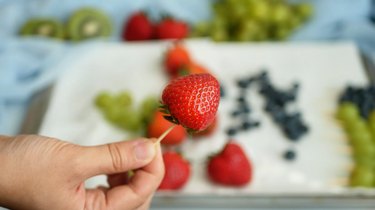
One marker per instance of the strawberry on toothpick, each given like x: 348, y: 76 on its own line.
x: 191, y: 101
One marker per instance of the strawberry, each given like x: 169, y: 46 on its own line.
x: 138, y: 28
x: 176, y: 57
x: 170, y: 28
x: 230, y: 167
x: 192, y: 101
x: 158, y: 125
x: 177, y: 171
x: 208, y: 131
x: 192, y: 68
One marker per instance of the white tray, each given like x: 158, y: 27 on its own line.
x: 323, y: 70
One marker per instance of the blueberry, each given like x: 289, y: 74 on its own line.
x: 222, y: 91
x: 256, y: 124
x: 304, y: 128
x: 290, y: 155
x: 245, y: 109
x: 231, y: 132
x: 235, y: 113
x: 251, y: 80
x: 295, y: 86
x: 263, y: 76
x: 292, y: 133
x: 243, y: 83
x: 241, y: 99
x: 279, y: 116
x: 247, y: 125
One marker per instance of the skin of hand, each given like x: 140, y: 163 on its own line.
x: 38, y: 172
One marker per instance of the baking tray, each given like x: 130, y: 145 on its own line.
x: 349, y: 200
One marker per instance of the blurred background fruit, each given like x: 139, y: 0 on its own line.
x: 253, y: 20
x: 159, y: 125
x: 87, y: 23
x: 171, y: 28
x: 356, y: 113
x: 138, y: 27
x: 45, y: 27
x: 120, y: 110
x: 177, y: 171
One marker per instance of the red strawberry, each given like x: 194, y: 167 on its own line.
x: 192, y: 68
x: 177, y: 171
x: 208, y: 131
x: 230, y: 167
x: 192, y: 100
x: 158, y: 125
x: 176, y: 57
x: 137, y: 28
x: 170, y: 28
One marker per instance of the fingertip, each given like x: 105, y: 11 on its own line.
x: 144, y: 150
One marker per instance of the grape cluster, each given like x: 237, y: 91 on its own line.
x: 118, y: 109
x: 253, y: 20
x: 357, y: 115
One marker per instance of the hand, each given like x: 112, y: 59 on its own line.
x: 43, y: 173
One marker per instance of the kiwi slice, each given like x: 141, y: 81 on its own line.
x: 46, y: 27
x: 88, y: 23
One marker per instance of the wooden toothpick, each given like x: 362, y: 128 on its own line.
x: 162, y: 136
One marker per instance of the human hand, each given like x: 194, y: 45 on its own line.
x: 45, y: 173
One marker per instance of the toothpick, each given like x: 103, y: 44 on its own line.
x: 162, y: 136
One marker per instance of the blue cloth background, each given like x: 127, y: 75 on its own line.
x: 25, y: 63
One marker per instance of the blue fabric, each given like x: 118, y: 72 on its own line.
x: 26, y: 64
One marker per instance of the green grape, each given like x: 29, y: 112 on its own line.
x: 364, y: 150
x: 364, y: 161
x: 262, y: 35
x: 219, y: 22
x: 218, y: 29
x: 356, y: 125
x: 304, y: 10
x: 359, y: 137
x: 219, y: 35
x: 279, y: 13
x: 372, y: 131
x: 294, y: 22
x: 236, y: 12
x: 362, y: 177
x: 371, y: 118
x: 281, y: 33
x: 148, y: 108
x: 247, y: 31
x: 113, y: 113
x: 124, y: 99
x: 259, y: 10
x: 130, y: 119
x: 104, y: 100
x: 347, y: 111
x: 200, y: 29
x: 219, y: 8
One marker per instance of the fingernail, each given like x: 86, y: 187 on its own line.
x: 144, y: 150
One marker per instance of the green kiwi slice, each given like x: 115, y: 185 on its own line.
x: 88, y: 23
x: 45, y: 27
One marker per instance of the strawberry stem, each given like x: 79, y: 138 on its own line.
x: 163, y: 135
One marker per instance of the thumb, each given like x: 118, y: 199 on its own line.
x: 117, y: 157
